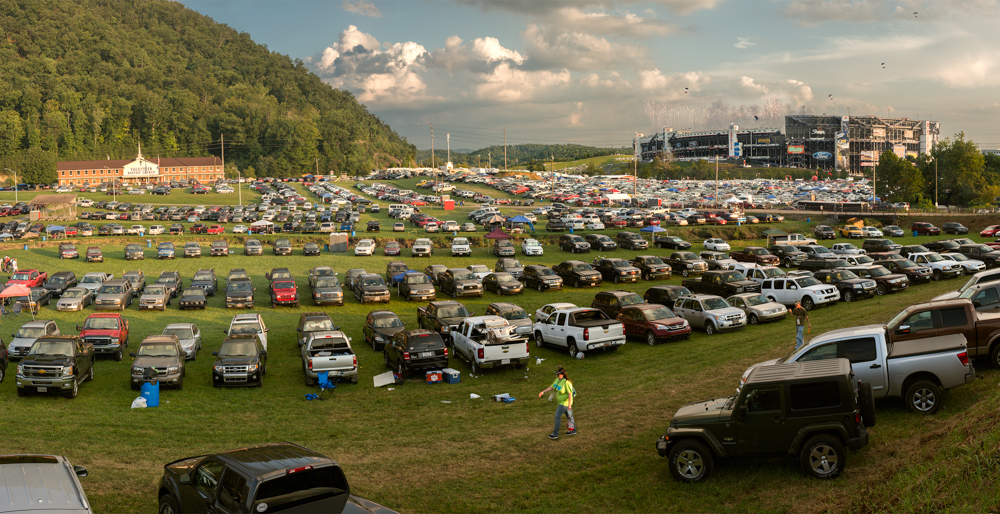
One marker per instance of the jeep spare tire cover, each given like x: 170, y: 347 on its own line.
x: 866, y: 401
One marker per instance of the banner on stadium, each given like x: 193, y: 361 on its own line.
x: 796, y: 149
x: 878, y: 132
x: 899, y: 150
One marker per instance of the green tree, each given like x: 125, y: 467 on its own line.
x: 11, y: 132
x: 961, y: 168
x: 37, y: 167
x: 897, y: 180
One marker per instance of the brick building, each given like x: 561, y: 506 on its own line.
x: 139, y: 171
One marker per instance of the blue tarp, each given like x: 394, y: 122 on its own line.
x: 55, y: 228
x: 399, y: 278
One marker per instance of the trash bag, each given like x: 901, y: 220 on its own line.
x: 139, y: 403
x: 579, y: 355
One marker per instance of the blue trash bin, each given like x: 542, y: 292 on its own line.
x: 149, y: 243
x: 571, y: 229
x: 45, y: 238
x: 151, y: 392
x: 326, y: 248
x: 25, y: 247
x: 808, y: 220
x: 914, y: 233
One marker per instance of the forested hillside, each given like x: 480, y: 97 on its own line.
x: 90, y: 79
x: 518, y: 156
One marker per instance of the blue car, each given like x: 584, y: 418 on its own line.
x: 165, y: 251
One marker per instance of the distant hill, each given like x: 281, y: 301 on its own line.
x: 517, y: 155
x: 86, y: 79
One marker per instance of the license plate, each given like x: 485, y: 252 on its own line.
x: 505, y: 361
x: 43, y: 389
x: 605, y: 331
x: 426, y: 354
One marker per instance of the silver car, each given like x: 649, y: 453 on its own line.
x: 75, y: 299
x: 710, y: 312
x: 758, y: 308
x: 189, y: 337
x: 93, y: 281
x: 25, y: 337
x: 155, y: 296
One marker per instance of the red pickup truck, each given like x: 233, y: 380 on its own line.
x: 107, y: 331
x: 29, y: 278
x: 215, y: 229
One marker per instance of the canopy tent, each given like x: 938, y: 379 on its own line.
x: 54, y: 207
x: 521, y: 219
x: 775, y: 232
x: 652, y: 228
x: 55, y: 228
x: 261, y: 223
x: 497, y: 234
x: 15, y: 290
x: 6, y: 235
x: 496, y: 218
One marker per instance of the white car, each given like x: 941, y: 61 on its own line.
x: 808, y: 290
x: 136, y: 230
x: 543, y: 313
x: 940, y: 267
x: 365, y: 247
x: 717, y: 245
x: 595, y: 225
x: 479, y: 270
x: 240, y: 229
x: 86, y: 202
x: 156, y: 230
x: 450, y: 226
x: 871, y: 232
x: 431, y: 227
x: 460, y: 246
x: 969, y: 266
x: 307, y: 206
x: 64, y: 189
x: 532, y: 247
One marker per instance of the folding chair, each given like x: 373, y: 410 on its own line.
x: 5, y: 312
x: 325, y: 384
x: 15, y: 311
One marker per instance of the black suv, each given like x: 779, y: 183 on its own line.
x: 790, y: 255
x: 824, y: 232
x: 614, y: 300
x: 395, y: 268
x: 460, y: 282
x: 687, y: 263
x: 380, y: 327
x: 371, y: 288
x: 816, y: 404
x: 954, y: 227
x: 310, y: 322
x: 512, y: 266
x: 541, y: 278
x: 172, y: 281
x: 206, y: 279
x: 652, y: 267
x: 578, y: 273
x: 665, y: 295
x: 601, y: 242
x: 59, y: 282
x: 134, y: 252
x: 631, y: 241
x: 880, y: 245
x: 282, y: 247
x: 617, y: 270
x: 850, y: 285
x: 573, y: 243
x: 240, y: 361
x: 239, y: 293
x: 412, y: 350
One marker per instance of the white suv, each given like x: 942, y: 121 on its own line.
x: 808, y: 290
x: 460, y: 247
x: 365, y: 247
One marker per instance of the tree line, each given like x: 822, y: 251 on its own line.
x: 91, y: 79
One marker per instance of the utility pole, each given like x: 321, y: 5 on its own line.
x: 505, y: 149
x: 433, y: 165
x: 935, y: 183
x: 716, y: 181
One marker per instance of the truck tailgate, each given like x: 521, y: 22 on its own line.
x: 513, y: 349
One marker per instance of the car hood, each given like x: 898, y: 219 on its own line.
x: 699, y: 412
x: 467, y: 282
x: 451, y: 321
x: 99, y: 333
x: 152, y: 297
x: 69, y: 301
x: 374, y: 289
x: 328, y: 290
x: 421, y: 287
x: 202, y: 283
x: 53, y: 360
x: 155, y: 362
x: 19, y: 342
x: 236, y: 361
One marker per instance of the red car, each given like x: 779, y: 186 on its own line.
x: 923, y: 228
x: 393, y: 248
x: 284, y: 292
x: 990, y: 231
x: 198, y: 228
x: 215, y: 229
x: 653, y: 323
x: 616, y: 222
x: 28, y: 278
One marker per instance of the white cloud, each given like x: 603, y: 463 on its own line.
x: 510, y: 84
x: 547, y: 49
x: 362, y: 7
x: 490, y: 50
x: 976, y: 69
x: 542, y: 7
x: 744, y: 42
x: 602, y: 23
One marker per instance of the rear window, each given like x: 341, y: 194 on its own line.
x: 814, y: 396
x: 953, y: 317
x: 301, y: 488
x: 424, y: 341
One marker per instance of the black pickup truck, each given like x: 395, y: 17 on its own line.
x: 441, y: 317
x: 56, y: 364
x: 721, y: 283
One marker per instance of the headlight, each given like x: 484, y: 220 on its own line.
x: 217, y: 368
x: 115, y: 340
x: 173, y: 369
x: 136, y: 370
x: 20, y: 369
x: 67, y: 371
x: 718, y: 318
x: 661, y: 327
x: 688, y: 265
x: 858, y: 286
x: 251, y: 368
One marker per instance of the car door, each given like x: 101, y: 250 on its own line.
x: 201, y: 495
x: 628, y: 321
x: 790, y: 292
x: 762, y: 427
x: 987, y: 300
x: 865, y: 361
x: 557, y: 326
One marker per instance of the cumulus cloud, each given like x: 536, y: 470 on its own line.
x: 976, y: 69
x: 542, y: 7
x: 361, y: 7
x: 744, y: 42
x: 579, y: 51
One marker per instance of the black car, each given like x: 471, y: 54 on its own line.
x: 614, y: 300
x: 310, y: 249
x: 573, y: 243
x: 205, y: 279
x: 240, y: 361
x: 555, y: 225
x: 945, y: 246
x: 38, y: 297
x: 601, y: 242
x: 665, y: 295
x: 617, y: 270
x: 370, y: 287
x: 850, y: 285
x: 310, y: 322
x: 672, y: 243
x: 954, y: 227
x: 373, y: 226
x: 192, y: 298
x: 239, y: 293
x: 502, y: 283
x: 59, y: 282
x: 172, y: 281
x: 542, y: 278
x: 824, y: 232
x: 134, y: 252
x: 510, y: 265
x: 380, y: 327
x: 880, y: 245
x: 413, y: 350
x: 578, y: 273
x: 434, y: 271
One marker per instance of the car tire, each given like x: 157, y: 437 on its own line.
x: 685, y: 273
x: 710, y: 328
x: 540, y: 341
x: 848, y: 296
x: 168, y: 505
x: 573, y: 350
x: 823, y: 456
x: 473, y: 366
x: 923, y: 397
x: 399, y: 370
x: 866, y: 402
x: 937, y: 275
x: 3, y: 373
x: 787, y: 263
x: 990, y: 264
x: 539, y: 286
x: 753, y: 319
x: 650, y: 338
x: 89, y: 377
x: 120, y: 355
x: 72, y: 394
x: 808, y: 303
x: 880, y: 290
x: 690, y: 461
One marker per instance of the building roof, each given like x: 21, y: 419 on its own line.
x: 53, y: 200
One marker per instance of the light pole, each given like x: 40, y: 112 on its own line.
x: 15, y: 182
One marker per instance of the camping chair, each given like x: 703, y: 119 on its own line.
x: 15, y: 310
x: 325, y: 384
x: 5, y: 312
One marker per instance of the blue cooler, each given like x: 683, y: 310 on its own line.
x: 451, y: 376
x: 151, y: 392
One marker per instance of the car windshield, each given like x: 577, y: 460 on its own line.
x: 879, y: 272
x: 203, y: 276
x: 111, y: 289
x: 91, y: 279
x: 687, y: 256
x: 732, y: 276
x: 166, y: 280
x: 532, y: 243
x: 238, y: 349
x: 620, y: 264
x: 31, y: 332
x: 773, y: 272
x: 132, y: 247
x: 933, y: 257
x: 463, y: 275
x: 632, y: 299
x: 101, y: 324
x: 758, y: 299
x: 545, y: 272
x: 479, y: 268
x: 821, y: 249
x: 58, y: 279
x: 515, y: 314
x: 658, y: 313
x: 712, y: 304
x: 511, y: 263
x: 457, y: 311
x: 194, y: 291
x: 582, y: 267
x: 417, y: 278
x: 20, y: 276
x: 192, y: 246
x: 957, y: 257
x: 253, y: 242
x: 986, y: 249
x: 807, y: 281
x: 75, y: 293
x: 165, y: 246
x: 315, y: 325
x: 181, y: 333
x: 651, y: 260
x: 967, y: 294
x: 387, y: 322
x: 372, y: 281
x: 53, y: 348
x: 328, y: 282
x: 93, y: 251
x: 844, y: 275
x: 905, y: 264
x: 674, y: 239
x: 460, y: 241
x: 758, y: 251
x: 219, y: 244
x: 864, y: 259
x: 157, y: 350
x: 505, y: 278
x: 848, y: 246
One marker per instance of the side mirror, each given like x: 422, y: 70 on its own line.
x: 80, y: 471
x: 79, y: 328
x: 741, y: 412
x: 977, y: 304
x: 215, y: 353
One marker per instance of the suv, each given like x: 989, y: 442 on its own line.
x: 922, y: 228
x: 617, y: 270
x: 885, y: 280
x: 239, y: 293
x: 240, y: 361
x: 370, y: 287
x: 850, y: 285
x: 192, y: 249
x: 541, y: 278
x: 282, y: 247
x: 503, y: 248
x: 824, y: 232
x: 59, y: 282
x: 573, y: 243
x: 172, y: 281
x: 614, y: 300
x: 164, y: 354
x: 460, y: 282
x: 578, y: 273
x: 253, y: 247
x: 52, y: 478
x: 134, y: 252
x: 220, y: 248
x: 205, y: 279
x: 713, y: 313
x: 789, y: 254
x: 114, y: 294
x: 880, y: 245
x: 916, y: 273
x: 651, y: 267
x: 422, y: 247
x: 310, y: 322
x: 954, y: 227
x: 687, y: 263
x: 415, y: 350
x: 600, y: 242
x: 820, y: 411
x: 631, y: 241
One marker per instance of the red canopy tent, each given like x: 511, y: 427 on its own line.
x: 497, y: 234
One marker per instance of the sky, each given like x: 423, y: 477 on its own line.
x: 596, y: 72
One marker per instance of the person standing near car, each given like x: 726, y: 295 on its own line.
x: 564, y: 398
x: 801, y: 321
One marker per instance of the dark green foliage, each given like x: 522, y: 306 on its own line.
x: 90, y: 79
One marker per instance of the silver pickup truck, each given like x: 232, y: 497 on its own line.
x: 329, y: 351
x: 919, y: 371
x: 580, y: 330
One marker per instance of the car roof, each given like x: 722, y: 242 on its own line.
x: 799, y: 370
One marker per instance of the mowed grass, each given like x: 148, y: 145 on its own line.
x: 409, y: 450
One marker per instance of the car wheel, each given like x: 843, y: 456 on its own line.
x: 168, y: 505
x: 474, y: 366
x: 540, y: 341
x: 866, y: 401
x: 400, y: 370
x: 75, y: 391
x: 690, y: 461
x: 650, y: 338
x: 990, y: 264
x: 3, y: 373
x: 880, y: 290
x: 120, y: 354
x: 787, y: 263
x: 808, y: 303
x: 848, y: 296
x: 823, y: 456
x: 938, y: 275
x: 685, y: 273
x: 923, y: 397
x: 573, y: 350
x: 616, y: 279
x: 539, y: 286
x: 90, y: 374
x: 753, y: 319
x: 710, y: 328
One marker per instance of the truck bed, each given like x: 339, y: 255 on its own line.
x: 926, y: 345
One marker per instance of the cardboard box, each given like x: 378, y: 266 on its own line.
x: 434, y: 377
x: 451, y: 376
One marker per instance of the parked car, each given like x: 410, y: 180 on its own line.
x: 672, y: 243
x: 164, y: 354
x: 709, y: 312
x: 824, y: 232
x: 716, y: 244
x: 27, y: 478
x: 75, y: 299
x: 192, y: 249
x: 380, y: 327
x: 922, y: 228
x: 612, y: 301
x: 94, y: 254
x: 241, y: 360
x: 165, y: 251
x: 758, y: 308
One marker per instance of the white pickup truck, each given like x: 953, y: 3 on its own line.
x: 847, y: 249
x: 244, y: 324
x: 489, y: 342
x: 580, y: 330
x: 460, y: 247
x: 918, y: 370
x: 329, y: 351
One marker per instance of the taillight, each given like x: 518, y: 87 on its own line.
x: 355, y: 361
x: 311, y: 364
x: 857, y: 416
x: 527, y: 347
x: 481, y: 354
x: 964, y: 357
x: 406, y: 356
x: 446, y: 352
x: 296, y: 470
x: 586, y: 334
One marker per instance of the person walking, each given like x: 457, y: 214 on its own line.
x: 13, y: 266
x: 564, y: 397
x: 801, y: 321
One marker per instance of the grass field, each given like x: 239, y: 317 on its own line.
x: 177, y: 197
x: 410, y: 451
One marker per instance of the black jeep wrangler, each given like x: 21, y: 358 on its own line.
x: 809, y: 409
